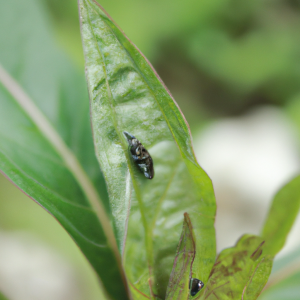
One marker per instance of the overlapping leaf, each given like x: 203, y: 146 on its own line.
x: 243, y: 271
x: 127, y: 95
x: 46, y: 145
x: 240, y: 272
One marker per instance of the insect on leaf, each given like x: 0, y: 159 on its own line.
x: 126, y: 94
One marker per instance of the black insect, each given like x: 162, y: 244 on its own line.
x: 140, y: 155
x: 196, y: 285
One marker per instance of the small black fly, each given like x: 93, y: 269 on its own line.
x: 196, y: 285
x: 140, y: 155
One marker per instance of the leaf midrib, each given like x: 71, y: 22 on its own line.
x: 148, y: 233
x: 194, y: 161
x: 148, y: 229
x: 70, y: 160
x: 115, y: 122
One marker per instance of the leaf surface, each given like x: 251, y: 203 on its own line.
x: 46, y: 145
x: 127, y: 95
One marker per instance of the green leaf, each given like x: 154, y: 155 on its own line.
x: 240, y: 272
x: 282, y: 214
x: 281, y: 217
x: 178, y: 287
x: 46, y: 145
x: 126, y: 94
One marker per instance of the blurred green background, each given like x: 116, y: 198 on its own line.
x: 219, y: 58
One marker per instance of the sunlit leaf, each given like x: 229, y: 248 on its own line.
x: 46, y: 145
x: 127, y: 95
x: 240, y: 272
x: 283, y: 212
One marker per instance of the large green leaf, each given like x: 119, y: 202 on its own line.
x: 46, y: 145
x: 240, y: 272
x: 127, y: 95
x: 281, y: 217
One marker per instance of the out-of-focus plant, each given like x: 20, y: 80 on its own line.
x: 2, y: 297
x: 126, y: 225
x: 218, y: 57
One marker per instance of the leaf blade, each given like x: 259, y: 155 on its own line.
x: 68, y: 158
x: 127, y: 95
x: 178, y: 286
x: 27, y: 156
x: 64, y: 211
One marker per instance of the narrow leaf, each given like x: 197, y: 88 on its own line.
x: 127, y: 95
x: 258, y: 278
x: 46, y: 145
x: 282, y: 214
x: 178, y: 287
x: 239, y: 272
